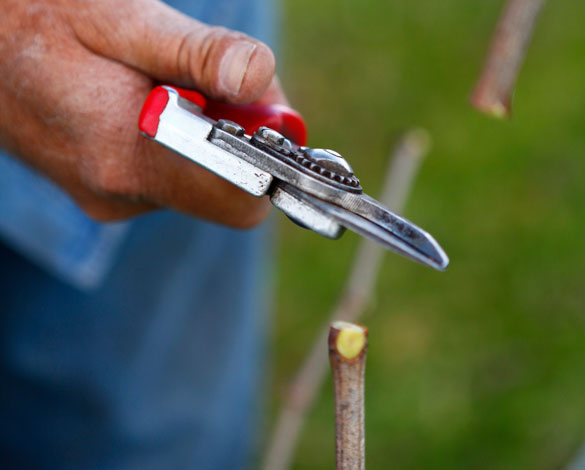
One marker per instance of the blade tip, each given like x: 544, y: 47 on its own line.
x: 442, y: 264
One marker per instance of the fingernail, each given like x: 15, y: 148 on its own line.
x: 234, y: 65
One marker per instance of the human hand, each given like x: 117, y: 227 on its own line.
x: 75, y: 74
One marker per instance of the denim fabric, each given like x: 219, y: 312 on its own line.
x: 155, y: 369
x: 130, y: 345
x: 44, y: 224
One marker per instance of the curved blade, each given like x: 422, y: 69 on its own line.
x: 372, y: 220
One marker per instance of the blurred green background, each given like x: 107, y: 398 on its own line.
x: 483, y: 366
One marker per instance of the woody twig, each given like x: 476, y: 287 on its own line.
x: 347, y: 354
x: 493, y: 92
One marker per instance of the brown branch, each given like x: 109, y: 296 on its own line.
x: 493, y: 92
x: 401, y: 173
x: 347, y: 353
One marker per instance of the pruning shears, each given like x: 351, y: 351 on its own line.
x: 261, y: 149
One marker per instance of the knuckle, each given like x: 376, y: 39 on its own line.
x: 195, y: 52
x: 200, y: 56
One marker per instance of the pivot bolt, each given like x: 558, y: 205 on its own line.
x: 329, y: 160
x: 273, y: 139
x: 270, y: 135
x: 230, y: 127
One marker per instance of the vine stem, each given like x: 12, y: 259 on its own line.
x: 494, y: 89
x: 348, y: 344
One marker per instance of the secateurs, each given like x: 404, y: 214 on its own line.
x: 246, y: 145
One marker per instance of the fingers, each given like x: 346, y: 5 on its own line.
x: 169, y: 46
x: 170, y: 180
x: 128, y: 174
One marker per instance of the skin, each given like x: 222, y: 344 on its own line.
x: 74, y: 76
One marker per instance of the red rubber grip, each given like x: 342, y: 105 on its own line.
x: 278, y: 117
x: 153, y: 107
x: 156, y: 103
x: 192, y: 96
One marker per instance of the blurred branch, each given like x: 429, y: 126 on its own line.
x: 493, y: 92
x: 400, y: 175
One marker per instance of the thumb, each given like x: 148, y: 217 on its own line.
x: 169, y: 46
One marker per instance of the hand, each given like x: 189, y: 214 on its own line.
x: 74, y: 76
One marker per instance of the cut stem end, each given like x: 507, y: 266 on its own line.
x: 349, y: 340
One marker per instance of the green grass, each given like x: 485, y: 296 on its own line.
x: 481, y: 367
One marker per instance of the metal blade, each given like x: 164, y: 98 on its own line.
x: 372, y: 220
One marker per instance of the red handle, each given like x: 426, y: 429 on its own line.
x: 278, y: 117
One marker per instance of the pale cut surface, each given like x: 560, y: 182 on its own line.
x: 351, y: 339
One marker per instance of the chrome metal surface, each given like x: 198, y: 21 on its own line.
x: 186, y: 133
x: 305, y: 214
x: 231, y: 127
x: 266, y: 137
x: 329, y: 160
x: 283, y: 167
x: 394, y: 232
x: 329, y: 164
x: 316, y: 188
